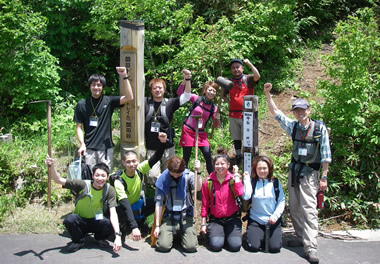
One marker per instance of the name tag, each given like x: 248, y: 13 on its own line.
x: 155, y: 128
x: 99, y: 215
x: 177, y: 205
x: 93, y: 121
x: 200, y: 123
x: 302, y: 152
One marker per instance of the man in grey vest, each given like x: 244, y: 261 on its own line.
x: 311, y: 151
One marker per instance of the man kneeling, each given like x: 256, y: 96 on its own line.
x: 175, y: 185
x: 93, y: 201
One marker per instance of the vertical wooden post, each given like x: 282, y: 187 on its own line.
x: 132, y: 113
x: 250, y: 131
x: 48, y: 120
x: 197, y: 118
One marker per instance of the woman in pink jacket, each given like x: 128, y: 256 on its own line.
x: 204, y: 107
x: 219, y: 204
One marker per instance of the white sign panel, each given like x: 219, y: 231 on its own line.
x: 248, y: 129
x: 248, y: 162
x: 248, y: 104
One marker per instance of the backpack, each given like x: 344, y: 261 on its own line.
x: 86, y: 171
x: 137, y: 206
x: 231, y: 184
x: 247, y: 204
x: 275, y: 186
x: 164, y: 102
x: 317, y: 131
x: 316, y: 140
x: 193, y: 106
x: 190, y: 210
x: 245, y: 80
x: 117, y: 176
x: 86, y: 192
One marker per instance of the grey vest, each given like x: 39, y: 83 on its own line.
x: 309, y: 140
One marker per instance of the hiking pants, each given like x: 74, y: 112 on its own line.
x: 189, y: 240
x: 225, y: 231
x: 256, y: 236
x: 78, y: 227
x: 303, y: 209
x: 206, y: 154
x: 94, y: 157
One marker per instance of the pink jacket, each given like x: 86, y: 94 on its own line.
x: 225, y: 204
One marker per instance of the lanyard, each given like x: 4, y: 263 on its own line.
x: 303, y: 139
x: 155, y: 113
x: 94, y: 108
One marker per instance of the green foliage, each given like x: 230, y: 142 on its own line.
x: 318, y: 18
x: 23, y: 175
x: 50, y: 47
x: 352, y: 111
x: 28, y: 71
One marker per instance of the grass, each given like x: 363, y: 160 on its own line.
x: 36, y: 219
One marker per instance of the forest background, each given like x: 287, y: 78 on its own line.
x: 50, y: 47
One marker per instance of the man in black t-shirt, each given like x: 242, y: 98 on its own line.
x: 159, y: 112
x: 94, y: 115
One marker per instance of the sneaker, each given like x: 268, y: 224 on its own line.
x: 102, y: 243
x: 75, y: 246
x: 295, y: 242
x: 312, y: 256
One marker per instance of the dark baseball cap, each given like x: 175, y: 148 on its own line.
x: 300, y: 103
x: 236, y: 60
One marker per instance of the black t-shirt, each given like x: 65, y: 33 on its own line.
x: 97, y: 137
x: 151, y: 138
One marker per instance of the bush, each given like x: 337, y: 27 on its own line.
x: 28, y: 71
x: 352, y: 110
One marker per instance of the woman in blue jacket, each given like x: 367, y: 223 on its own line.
x: 267, y: 205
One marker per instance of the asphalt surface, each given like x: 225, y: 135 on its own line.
x: 51, y: 248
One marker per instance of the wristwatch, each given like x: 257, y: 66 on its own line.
x: 118, y: 233
x: 324, y: 177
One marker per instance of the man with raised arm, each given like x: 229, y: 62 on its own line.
x: 159, y: 112
x: 95, y: 208
x: 242, y: 85
x: 133, y: 207
x: 94, y: 114
x: 311, y: 151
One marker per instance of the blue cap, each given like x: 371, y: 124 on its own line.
x: 300, y: 103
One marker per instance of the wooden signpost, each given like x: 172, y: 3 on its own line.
x: 250, y: 131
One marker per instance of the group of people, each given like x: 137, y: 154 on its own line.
x: 106, y: 205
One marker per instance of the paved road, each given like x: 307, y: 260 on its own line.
x: 51, y: 248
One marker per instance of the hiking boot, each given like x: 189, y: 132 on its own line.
x: 102, y: 243
x: 312, y: 256
x: 75, y: 246
x: 294, y: 242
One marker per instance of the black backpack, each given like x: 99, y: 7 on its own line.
x: 247, y: 204
x: 117, y: 176
x: 193, y: 106
x: 86, y: 171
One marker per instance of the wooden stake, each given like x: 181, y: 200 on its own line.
x: 196, y: 117
x: 153, y: 239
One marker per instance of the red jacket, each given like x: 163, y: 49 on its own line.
x: 225, y: 204
x: 238, y: 91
